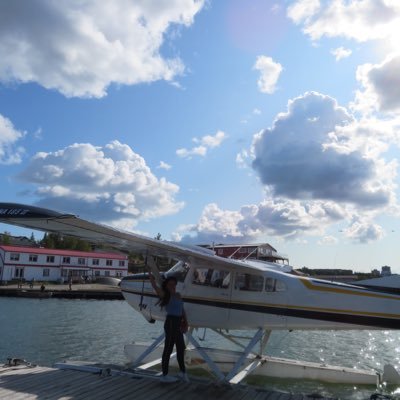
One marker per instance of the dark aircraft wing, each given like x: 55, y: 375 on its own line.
x: 67, y: 224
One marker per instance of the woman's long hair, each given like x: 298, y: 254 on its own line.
x: 167, y: 294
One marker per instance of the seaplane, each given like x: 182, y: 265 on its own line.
x: 229, y: 297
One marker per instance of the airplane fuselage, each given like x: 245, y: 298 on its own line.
x: 263, y: 297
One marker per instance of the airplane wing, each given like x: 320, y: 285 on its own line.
x: 68, y: 224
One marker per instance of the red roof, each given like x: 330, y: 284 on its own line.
x: 57, y: 252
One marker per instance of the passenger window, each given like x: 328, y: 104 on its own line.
x: 249, y: 282
x: 211, y: 277
x: 270, y: 285
x: 274, y: 285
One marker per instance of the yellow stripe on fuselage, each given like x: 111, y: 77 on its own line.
x: 350, y: 312
x: 350, y: 291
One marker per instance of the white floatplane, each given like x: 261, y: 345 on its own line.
x: 224, y: 294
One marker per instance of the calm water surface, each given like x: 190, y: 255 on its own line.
x: 51, y: 330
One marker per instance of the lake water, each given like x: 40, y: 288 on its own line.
x: 52, y: 330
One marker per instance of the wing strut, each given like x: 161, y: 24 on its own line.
x: 154, y: 270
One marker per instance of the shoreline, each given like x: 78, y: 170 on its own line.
x: 78, y: 291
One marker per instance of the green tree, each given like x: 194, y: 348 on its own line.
x: 6, y: 238
x: 158, y: 237
x: 32, y: 238
x: 135, y: 262
x: 83, y: 245
x: 48, y: 241
x: 57, y: 241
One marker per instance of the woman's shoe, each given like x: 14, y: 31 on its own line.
x: 168, y: 379
x: 183, y: 376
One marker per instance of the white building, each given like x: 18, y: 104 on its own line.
x: 17, y: 262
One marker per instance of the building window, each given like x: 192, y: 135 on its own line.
x: 121, y: 263
x: 19, y: 272
x: 50, y: 259
x: 96, y: 273
x: 118, y: 274
x: 76, y: 273
x: 95, y: 261
x: 66, y: 260
x: 106, y: 273
x: 243, y: 250
x: 109, y: 263
x: 249, y: 282
x: 81, y: 261
x: 33, y: 257
x: 46, y: 271
x: 14, y: 256
x: 220, y: 252
x: 211, y: 277
x: 266, y: 252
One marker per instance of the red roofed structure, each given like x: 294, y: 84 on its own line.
x: 259, y: 251
x: 40, y: 264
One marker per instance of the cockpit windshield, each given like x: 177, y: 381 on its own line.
x: 178, y: 271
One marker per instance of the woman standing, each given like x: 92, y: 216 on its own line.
x: 175, y: 325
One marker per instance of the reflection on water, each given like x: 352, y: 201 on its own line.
x: 51, y: 330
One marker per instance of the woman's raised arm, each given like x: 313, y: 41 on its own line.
x: 158, y: 290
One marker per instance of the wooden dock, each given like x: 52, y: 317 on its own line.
x: 59, y: 291
x: 43, y: 383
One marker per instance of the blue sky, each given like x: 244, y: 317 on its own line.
x: 209, y: 121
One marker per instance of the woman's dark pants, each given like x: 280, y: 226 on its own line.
x: 173, y: 336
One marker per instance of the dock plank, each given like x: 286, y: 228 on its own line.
x: 70, y: 388
x: 139, y: 389
x: 27, y: 383
x: 126, y: 389
x: 92, y: 387
x: 62, y: 384
x: 63, y: 388
x: 118, y: 384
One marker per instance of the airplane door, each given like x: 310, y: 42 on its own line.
x: 258, y: 301
x: 275, y: 294
x: 207, y: 296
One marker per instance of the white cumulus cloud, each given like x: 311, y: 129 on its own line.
x: 80, y: 47
x: 364, y: 232
x: 109, y: 184
x: 203, y: 145
x: 320, y: 166
x: 269, y: 74
x: 10, y: 152
x: 360, y: 20
x: 307, y: 155
x: 243, y: 159
x: 341, y: 53
x: 380, y: 86
x: 164, y: 165
x: 281, y: 219
x: 275, y: 217
x: 303, y: 10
